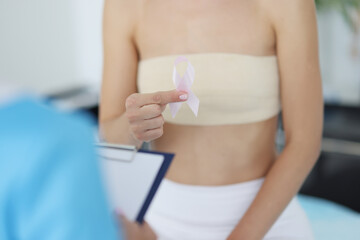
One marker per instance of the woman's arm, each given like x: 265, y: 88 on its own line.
x: 127, y: 117
x: 119, y: 71
x: 302, y: 103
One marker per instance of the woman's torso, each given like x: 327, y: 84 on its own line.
x: 210, y: 155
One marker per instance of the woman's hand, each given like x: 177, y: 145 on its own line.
x: 135, y: 231
x: 144, y: 113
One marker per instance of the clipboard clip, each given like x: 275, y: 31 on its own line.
x: 103, y: 145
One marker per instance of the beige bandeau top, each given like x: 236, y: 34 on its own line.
x: 232, y: 88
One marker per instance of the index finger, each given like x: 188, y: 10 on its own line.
x: 163, y: 97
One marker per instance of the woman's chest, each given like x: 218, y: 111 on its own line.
x: 172, y: 27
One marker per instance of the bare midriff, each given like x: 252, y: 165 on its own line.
x: 220, y: 154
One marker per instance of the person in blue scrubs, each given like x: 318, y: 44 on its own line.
x: 50, y: 185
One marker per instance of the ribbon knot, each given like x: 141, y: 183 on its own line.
x: 184, y: 84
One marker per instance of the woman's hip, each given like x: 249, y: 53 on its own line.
x: 211, y: 212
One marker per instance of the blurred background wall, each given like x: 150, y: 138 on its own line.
x: 51, y: 46
x: 340, y: 58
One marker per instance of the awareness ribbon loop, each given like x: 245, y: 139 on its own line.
x: 183, y: 84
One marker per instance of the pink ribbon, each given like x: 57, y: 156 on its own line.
x: 183, y: 84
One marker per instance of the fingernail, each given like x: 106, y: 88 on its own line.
x: 183, y: 97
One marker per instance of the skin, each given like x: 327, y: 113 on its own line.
x: 134, y: 231
x: 135, y: 30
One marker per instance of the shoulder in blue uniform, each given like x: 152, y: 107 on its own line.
x: 51, y: 187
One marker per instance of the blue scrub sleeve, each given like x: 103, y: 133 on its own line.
x: 50, y: 185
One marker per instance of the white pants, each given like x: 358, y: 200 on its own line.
x: 187, y: 212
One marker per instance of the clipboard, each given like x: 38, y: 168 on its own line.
x: 132, y: 177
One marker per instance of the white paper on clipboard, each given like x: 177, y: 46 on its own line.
x: 129, y: 177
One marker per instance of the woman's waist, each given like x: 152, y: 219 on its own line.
x: 218, y: 165
x: 220, y: 157
x: 218, y: 171
x: 219, y: 154
x: 228, y: 144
